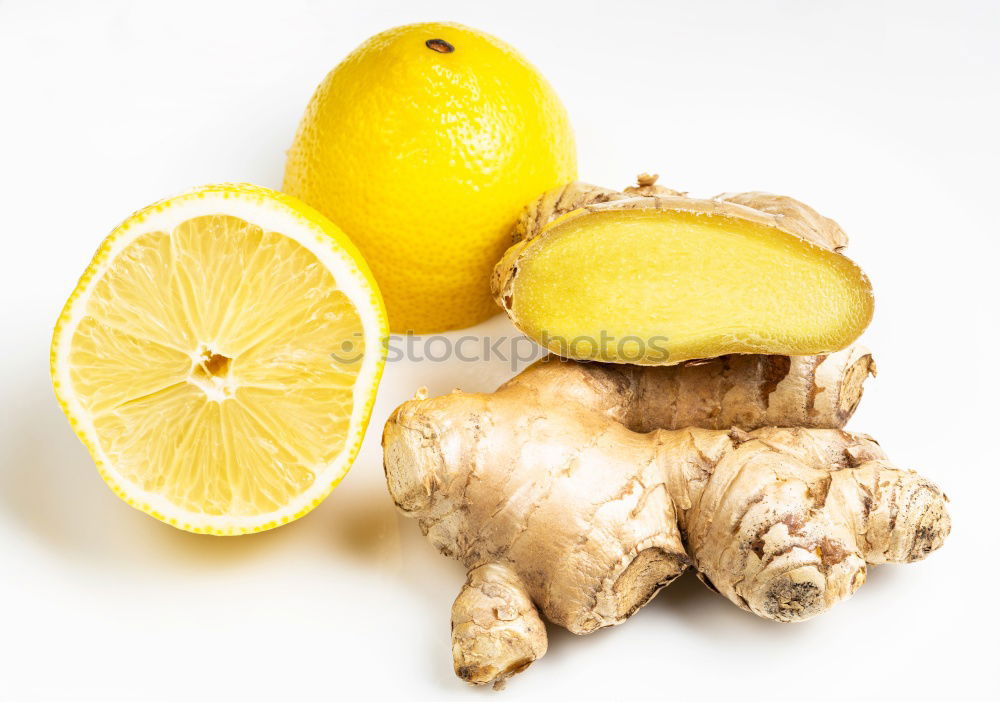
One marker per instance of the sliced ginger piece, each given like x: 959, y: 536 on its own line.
x: 661, y: 279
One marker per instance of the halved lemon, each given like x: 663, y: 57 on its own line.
x: 220, y: 356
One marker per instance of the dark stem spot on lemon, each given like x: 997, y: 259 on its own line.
x: 439, y: 45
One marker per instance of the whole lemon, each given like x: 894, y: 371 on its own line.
x: 424, y: 145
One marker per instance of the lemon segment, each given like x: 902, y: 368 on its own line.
x: 219, y: 358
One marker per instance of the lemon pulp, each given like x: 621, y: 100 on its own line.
x: 213, y: 368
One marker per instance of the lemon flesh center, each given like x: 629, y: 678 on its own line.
x: 217, y: 364
x: 668, y: 286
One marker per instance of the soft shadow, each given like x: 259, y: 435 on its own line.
x: 702, y: 613
x: 161, y: 542
x: 882, y: 581
x: 686, y: 605
x: 360, y: 520
x: 689, y: 602
x: 49, y: 486
x: 50, y: 489
x: 684, y: 602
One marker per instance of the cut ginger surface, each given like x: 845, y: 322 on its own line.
x: 673, y: 279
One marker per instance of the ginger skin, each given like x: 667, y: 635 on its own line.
x: 779, y: 210
x: 496, y: 631
x: 565, y: 511
x: 743, y: 390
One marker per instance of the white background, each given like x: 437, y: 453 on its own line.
x: 880, y: 114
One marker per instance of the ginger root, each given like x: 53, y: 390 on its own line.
x: 545, y: 492
x: 653, y: 277
x: 744, y: 390
x: 496, y: 631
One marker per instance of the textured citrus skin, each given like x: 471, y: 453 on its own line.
x: 425, y: 158
x: 323, y: 230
